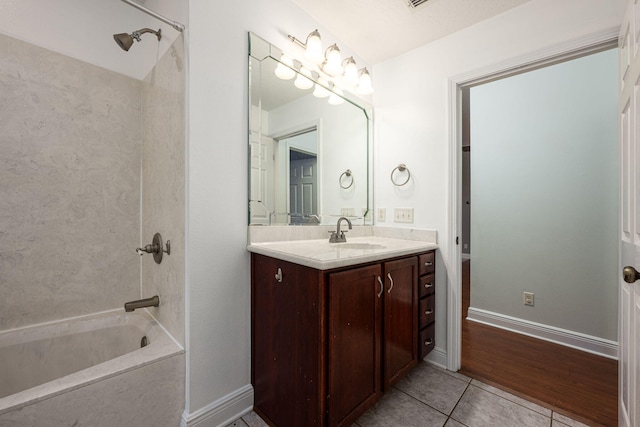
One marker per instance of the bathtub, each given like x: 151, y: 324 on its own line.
x: 108, y: 369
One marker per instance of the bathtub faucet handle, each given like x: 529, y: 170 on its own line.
x: 156, y: 248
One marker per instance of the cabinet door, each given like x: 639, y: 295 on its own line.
x: 400, y: 318
x: 355, y: 303
x: 287, y: 357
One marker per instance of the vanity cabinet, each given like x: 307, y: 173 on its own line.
x: 327, y: 343
x: 427, y: 303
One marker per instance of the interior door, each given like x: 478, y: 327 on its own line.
x: 629, y: 310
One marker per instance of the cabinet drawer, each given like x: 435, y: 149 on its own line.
x: 427, y: 340
x: 427, y: 263
x: 427, y: 310
x: 426, y: 285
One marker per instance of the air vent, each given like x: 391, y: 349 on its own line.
x: 415, y: 3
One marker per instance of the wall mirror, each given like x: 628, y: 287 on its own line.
x: 309, y: 156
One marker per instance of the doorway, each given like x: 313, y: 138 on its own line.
x: 538, y: 184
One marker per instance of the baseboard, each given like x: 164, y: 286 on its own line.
x: 576, y: 340
x: 221, y: 412
x: 438, y: 357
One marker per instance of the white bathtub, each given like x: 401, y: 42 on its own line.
x: 91, y: 370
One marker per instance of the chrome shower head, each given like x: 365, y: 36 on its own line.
x: 125, y: 41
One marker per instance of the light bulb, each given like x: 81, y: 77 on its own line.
x: 333, y: 65
x: 334, y: 98
x: 283, y: 71
x: 365, y: 87
x: 320, y: 91
x: 351, y: 72
x: 313, y: 52
x: 303, y: 80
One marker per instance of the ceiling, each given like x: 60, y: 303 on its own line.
x: 377, y: 30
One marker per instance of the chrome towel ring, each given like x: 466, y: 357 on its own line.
x: 345, y: 174
x: 400, y: 168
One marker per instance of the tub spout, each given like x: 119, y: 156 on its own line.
x: 154, y: 301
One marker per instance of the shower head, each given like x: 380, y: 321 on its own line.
x: 125, y: 41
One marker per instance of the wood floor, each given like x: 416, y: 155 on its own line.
x: 572, y: 382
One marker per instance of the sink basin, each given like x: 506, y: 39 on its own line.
x: 361, y: 246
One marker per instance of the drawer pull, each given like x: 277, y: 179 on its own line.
x: 381, y: 287
x: 428, y: 341
x: 428, y: 285
x: 428, y: 312
x: 428, y: 264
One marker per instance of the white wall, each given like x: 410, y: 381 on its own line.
x: 412, y: 106
x: 218, y: 266
x: 544, y: 195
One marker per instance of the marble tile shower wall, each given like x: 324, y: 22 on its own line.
x: 69, y: 186
x: 163, y: 137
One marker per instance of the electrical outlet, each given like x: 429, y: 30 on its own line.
x: 348, y: 212
x: 403, y: 215
x: 382, y: 214
x: 528, y: 298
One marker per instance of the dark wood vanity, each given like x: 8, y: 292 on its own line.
x: 327, y: 343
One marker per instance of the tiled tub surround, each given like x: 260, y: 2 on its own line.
x: 163, y: 185
x: 67, y: 371
x: 70, y: 186
x: 309, y: 245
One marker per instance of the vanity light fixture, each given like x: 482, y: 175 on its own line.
x: 364, y: 86
x: 333, y: 64
x: 331, y: 67
x: 284, y: 70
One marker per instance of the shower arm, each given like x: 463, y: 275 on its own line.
x: 176, y: 25
x: 136, y: 34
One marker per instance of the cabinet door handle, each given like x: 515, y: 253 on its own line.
x: 381, y: 287
x: 428, y: 341
x: 279, y: 275
x: 391, y: 280
x: 428, y: 312
x: 428, y: 285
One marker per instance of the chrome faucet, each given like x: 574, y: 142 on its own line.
x: 154, y: 301
x: 338, y: 236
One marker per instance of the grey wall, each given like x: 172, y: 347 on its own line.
x: 69, y: 186
x: 544, y: 212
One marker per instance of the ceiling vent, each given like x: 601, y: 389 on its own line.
x: 415, y: 3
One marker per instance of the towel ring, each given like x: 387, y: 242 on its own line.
x: 348, y: 174
x: 401, y: 168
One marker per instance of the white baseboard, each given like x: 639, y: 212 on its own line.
x: 565, y: 337
x: 221, y: 412
x: 438, y: 357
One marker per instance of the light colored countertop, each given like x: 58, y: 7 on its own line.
x: 322, y: 255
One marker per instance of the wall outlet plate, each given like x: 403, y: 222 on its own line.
x: 528, y: 299
x: 404, y: 215
x: 382, y: 214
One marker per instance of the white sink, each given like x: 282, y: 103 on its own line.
x: 357, y: 246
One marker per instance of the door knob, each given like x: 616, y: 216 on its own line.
x: 630, y: 274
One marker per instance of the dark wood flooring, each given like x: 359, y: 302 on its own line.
x: 575, y: 383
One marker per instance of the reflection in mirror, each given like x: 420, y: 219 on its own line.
x: 301, y: 144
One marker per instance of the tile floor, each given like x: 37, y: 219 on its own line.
x: 429, y: 396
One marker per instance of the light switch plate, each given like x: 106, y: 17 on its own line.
x: 404, y: 215
x: 348, y: 212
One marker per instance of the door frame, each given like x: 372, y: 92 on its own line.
x: 589, y: 44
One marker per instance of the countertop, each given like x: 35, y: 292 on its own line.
x: 322, y: 255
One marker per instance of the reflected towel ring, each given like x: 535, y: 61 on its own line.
x: 348, y: 174
x: 401, y: 168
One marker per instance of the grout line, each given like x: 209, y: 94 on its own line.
x: 513, y: 401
